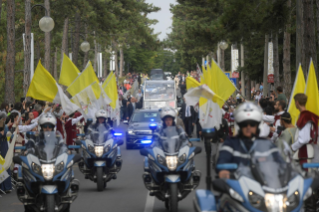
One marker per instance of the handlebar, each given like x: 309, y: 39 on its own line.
x: 74, y: 147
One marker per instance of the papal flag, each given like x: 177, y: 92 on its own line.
x: 3, y: 172
x: 299, y: 87
x: 44, y: 87
x: 69, y: 72
x: 312, y: 91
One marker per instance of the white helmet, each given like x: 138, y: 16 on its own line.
x: 167, y: 111
x: 248, y: 111
x: 47, y: 118
x: 101, y: 114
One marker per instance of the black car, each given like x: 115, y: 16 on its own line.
x: 138, y: 133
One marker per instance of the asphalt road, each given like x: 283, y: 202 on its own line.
x: 125, y: 194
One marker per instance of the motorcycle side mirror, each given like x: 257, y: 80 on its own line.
x: 227, y: 166
x: 144, y: 152
x: 78, y: 143
x: 198, y: 150
x: 17, y: 160
x: 310, y: 165
x: 220, y: 186
x: 120, y: 142
x: 76, y: 158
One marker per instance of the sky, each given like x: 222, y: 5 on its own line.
x: 164, y: 17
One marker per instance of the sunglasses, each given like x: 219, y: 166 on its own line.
x: 47, y: 126
x: 250, y: 123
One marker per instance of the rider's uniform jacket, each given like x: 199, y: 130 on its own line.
x: 306, y: 134
x: 235, y: 150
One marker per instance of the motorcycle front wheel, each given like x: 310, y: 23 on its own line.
x: 173, y: 199
x: 50, y: 203
x: 99, y: 179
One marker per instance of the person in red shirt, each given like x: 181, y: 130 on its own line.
x: 70, y: 127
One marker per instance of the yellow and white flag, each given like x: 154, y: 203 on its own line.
x: 299, y: 87
x: 312, y: 91
x: 111, y: 91
x: 44, y: 87
x: 69, y: 72
x: 3, y: 172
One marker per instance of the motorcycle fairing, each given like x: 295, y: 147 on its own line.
x: 28, y: 161
x: 205, y: 201
x: 66, y: 159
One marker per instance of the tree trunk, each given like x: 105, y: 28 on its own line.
x: 248, y: 90
x: 27, y: 47
x: 299, y: 35
x: 37, y: 53
x: 121, y: 61
x: 276, y: 60
x: 116, y: 62
x: 9, y: 75
x: 286, y: 58
x: 95, y: 53
x: 265, y: 79
x: 0, y: 9
x: 64, y: 48
x: 47, y: 50
x: 222, y: 59
x: 105, y: 67
x: 76, y: 43
x: 55, y: 69
x: 242, y: 63
x: 309, y: 36
x: 86, y: 54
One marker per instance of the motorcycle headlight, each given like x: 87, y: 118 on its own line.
x: 107, y: 148
x: 59, y: 167
x: 47, y: 171
x: 182, y: 158
x: 255, y: 200
x: 275, y: 202
x: 130, y: 132
x: 98, y: 150
x: 36, y: 168
x: 161, y: 159
x: 25, y: 165
x: 235, y: 195
x: 171, y: 162
x: 293, y: 200
x: 91, y: 148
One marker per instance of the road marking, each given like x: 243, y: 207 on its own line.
x: 149, y: 205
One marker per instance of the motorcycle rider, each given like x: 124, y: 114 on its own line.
x: 248, y: 117
x: 101, y: 120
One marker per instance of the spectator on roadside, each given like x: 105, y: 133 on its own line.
x: 257, y: 97
x: 261, y: 87
x: 4, y: 107
x: 183, y: 88
x: 281, y: 95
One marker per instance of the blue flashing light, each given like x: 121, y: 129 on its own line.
x: 146, y: 141
x: 152, y: 119
x: 153, y: 125
x: 118, y: 134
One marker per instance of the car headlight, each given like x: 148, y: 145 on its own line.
x: 36, y: 168
x: 235, y: 195
x: 161, y: 159
x: 275, y: 202
x: 107, y: 148
x: 47, y: 171
x: 171, y: 162
x: 255, y: 200
x: 130, y: 132
x: 91, y: 148
x: 59, y: 167
x: 98, y: 150
x: 182, y: 158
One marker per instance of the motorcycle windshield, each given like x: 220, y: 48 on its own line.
x: 170, y: 140
x: 99, y: 135
x: 268, y: 166
x: 49, y: 145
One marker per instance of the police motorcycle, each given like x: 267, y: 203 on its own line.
x: 268, y: 183
x: 46, y: 179
x: 169, y: 170
x: 102, y: 159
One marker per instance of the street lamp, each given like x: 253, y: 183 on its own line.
x: 85, y: 46
x: 223, y: 45
x: 46, y: 23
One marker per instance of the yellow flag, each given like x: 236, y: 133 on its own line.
x: 299, y: 87
x: 43, y: 85
x: 86, y: 78
x: 69, y: 72
x: 107, y: 80
x: 312, y: 91
x: 111, y: 91
x: 219, y: 83
x: 191, y: 83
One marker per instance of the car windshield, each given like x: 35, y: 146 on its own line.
x: 49, y: 145
x: 163, y: 91
x: 267, y: 166
x: 146, y: 117
x: 99, y: 135
x: 170, y: 140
